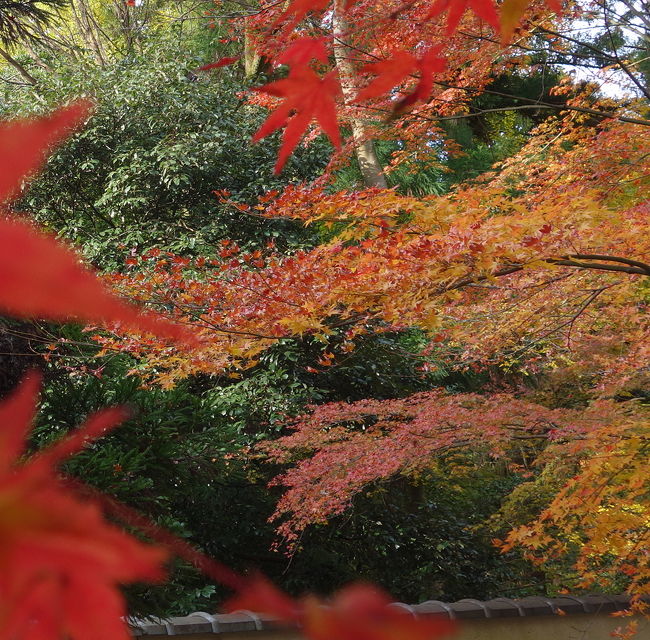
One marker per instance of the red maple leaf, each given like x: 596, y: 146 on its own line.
x: 298, y: 9
x: 222, y: 62
x: 61, y: 562
x: 484, y: 9
x: 307, y: 97
x: 391, y: 72
x: 302, y: 51
x: 357, y: 612
x: 24, y: 144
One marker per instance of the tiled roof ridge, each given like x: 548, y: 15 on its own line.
x: 468, y: 608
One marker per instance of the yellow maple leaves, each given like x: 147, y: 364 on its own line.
x: 602, y: 515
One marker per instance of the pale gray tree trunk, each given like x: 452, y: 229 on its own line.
x: 371, y: 169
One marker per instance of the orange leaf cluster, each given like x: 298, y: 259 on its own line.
x: 601, y: 516
x: 397, y: 40
x: 512, y: 279
x: 339, y: 448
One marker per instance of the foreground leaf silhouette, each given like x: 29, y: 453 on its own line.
x: 484, y: 9
x: 40, y: 277
x: 24, y: 144
x: 61, y: 561
x: 357, y: 612
x: 392, y: 71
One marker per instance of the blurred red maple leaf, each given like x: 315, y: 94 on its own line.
x: 302, y: 51
x: 298, y: 9
x: 392, y: 71
x: 39, y: 276
x: 357, y: 612
x: 61, y: 561
x: 222, y: 62
x: 24, y: 144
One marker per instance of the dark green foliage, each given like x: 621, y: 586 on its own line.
x: 173, y: 461
x: 143, y: 171
x: 495, y: 127
x: 18, y: 353
x: 381, y: 365
x: 417, y: 538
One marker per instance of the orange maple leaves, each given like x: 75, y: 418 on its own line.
x: 540, y: 268
x: 309, y: 96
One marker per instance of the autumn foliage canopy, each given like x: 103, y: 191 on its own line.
x: 543, y: 264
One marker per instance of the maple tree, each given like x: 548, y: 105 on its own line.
x: 397, y: 59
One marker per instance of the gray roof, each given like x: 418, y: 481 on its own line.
x: 239, y: 621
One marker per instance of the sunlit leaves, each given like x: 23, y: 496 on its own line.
x: 601, y: 515
x: 505, y: 274
x: 395, y: 41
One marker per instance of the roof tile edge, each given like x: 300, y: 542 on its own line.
x: 469, y: 608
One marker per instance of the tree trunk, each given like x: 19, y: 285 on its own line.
x: 19, y: 67
x: 371, y: 170
x: 251, y: 57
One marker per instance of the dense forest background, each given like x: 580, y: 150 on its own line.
x: 146, y: 173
